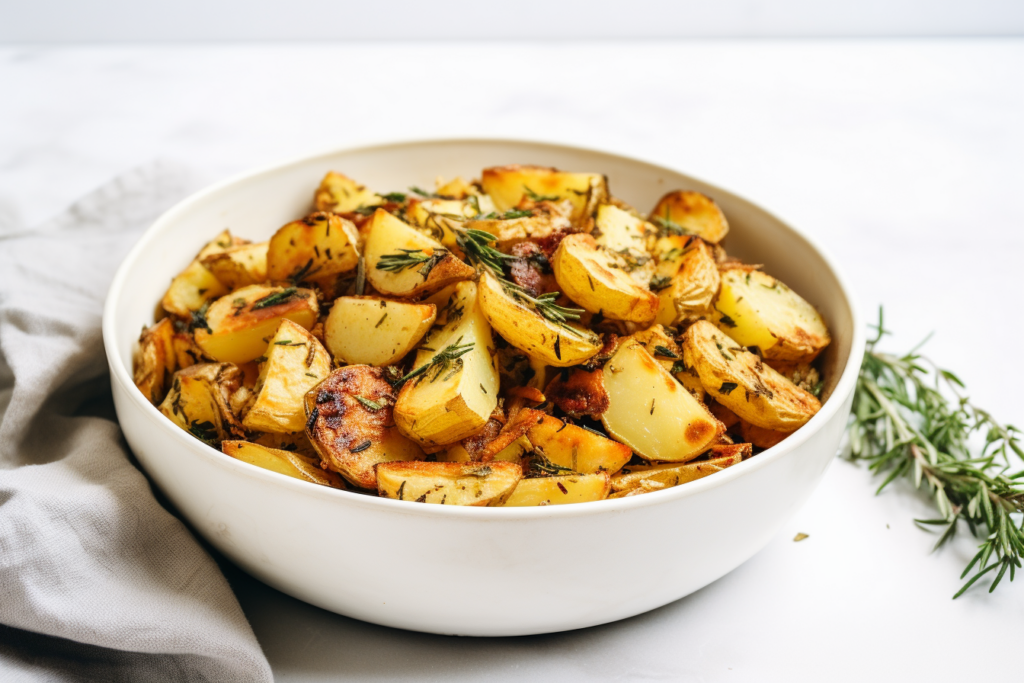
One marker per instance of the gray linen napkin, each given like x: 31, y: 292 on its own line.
x: 97, y: 580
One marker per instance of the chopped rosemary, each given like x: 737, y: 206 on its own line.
x: 205, y: 431
x: 667, y: 226
x: 540, y: 197
x: 394, y: 197
x: 659, y: 282
x: 198, y: 321
x: 369, y: 404
x: 665, y: 351
x: 275, y: 298
x: 410, y: 258
x: 909, y: 418
x: 441, y: 362
x: 727, y: 387
x: 422, y: 193
x: 542, y: 467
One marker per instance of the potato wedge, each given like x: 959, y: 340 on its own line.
x: 761, y: 437
x: 739, y: 380
x: 296, y: 362
x: 375, y: 331
x: 239, y: 266
x: 569, y: 446
x: 511, y: 228
x: 155, y: 360
x: 319, y: 245
x: 755, y: 309
x: 457, y: 389
x: 593, y: 279
x: 691, y: 291
x: 671, y: 474
x: 340, y: 194
x: 572, y: 488
x: 426, y: 268
x: 621, y: 233
x: 667, y: 352
x: 351, y: 424
x: 283, y: 462
x: 507, y: 185
x: 449, y: 483
x: 651, y: 412
x: 295, y: 442
x: 190, y: 289
x: 238, y: 327
x: 199, y: 401
x: 691, y: 212
x: 557, y: 344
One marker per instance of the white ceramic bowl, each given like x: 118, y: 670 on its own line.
x: 464, y: 570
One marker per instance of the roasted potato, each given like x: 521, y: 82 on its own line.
x: 685, y: 211
x: 592, y: 278
x: 296, y: 362
x: 455, y: 386
x: 560, y: 490
x: 374, y: 331
x: 620, y: 339
x: 340, y: 194
x: 508, y: 185
x: 319, y: 245
x: 755, y: 309
x: 690, y: 292
x: 237, y: 328
x: 449, y: 483
x: 739, y: 380
x: 651, y: 412
x: 351, y: 425
x: 287, y: 463
x: 199, y: 401
x: 402, y: 261
x: 239, y: 266
x: 560, y: 344
x: 155, y: 360
x: 671, y: 474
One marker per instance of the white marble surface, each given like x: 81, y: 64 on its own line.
x: 903, y: 158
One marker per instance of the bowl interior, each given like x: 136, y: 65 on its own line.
x: 257, y: 204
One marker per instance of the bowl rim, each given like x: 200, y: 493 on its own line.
x: 843, y: 388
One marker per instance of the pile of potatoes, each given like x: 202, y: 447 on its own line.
x: 522, y: 339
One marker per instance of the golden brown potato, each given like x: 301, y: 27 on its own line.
x: 199, y: 401
x: 690, y: 292
x: 455, y: 390
x: 456, y: 188
x: 449, y: 483
x: 755, y: 309
x: 685, y: 211
x: 341, y: 194
x: 296, y: 442
x: 239, y: 266
x: 155, y: 360
x: 739, y: 380
x: 190, y: 289
x: 238, y: 327
x: 671, y: 474
x: 591, y: 278
x: 287, y: 463
x: 560, y: 490
x: 516, y: 226
x: 402, y: 261
x: 508, y: 185
x: 317, y: 246
x: 351, y: 424
x: 651, y: 412
x: 364, y: 330
x: 569, y: 446
x: 761, y: 437
x: 560, y: 344
x: 296, y: 362
x: 625, y: 235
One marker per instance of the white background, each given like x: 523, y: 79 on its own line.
x: 902, y: 157
x: 133, y: 21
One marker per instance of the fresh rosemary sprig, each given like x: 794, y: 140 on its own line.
x: 539, y: 197
x: 544, y: 304
x: 476, y: 244
x: 909, y: 418
x: 440, y: 363
x: 410, y: 258
x: 275, y: 298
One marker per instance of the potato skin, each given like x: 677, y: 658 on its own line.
x: 694, y: 212
x: 283, y: 462
x: 340, y: 194
x: 587, y: 276
x: 560, y: 490
x: 352, y: 436
x: 743, y: 383
x: 449, y: 483
x: 508, y: 185
x: 524, y: 328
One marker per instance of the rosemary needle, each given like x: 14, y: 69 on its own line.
x: 911, y: 419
